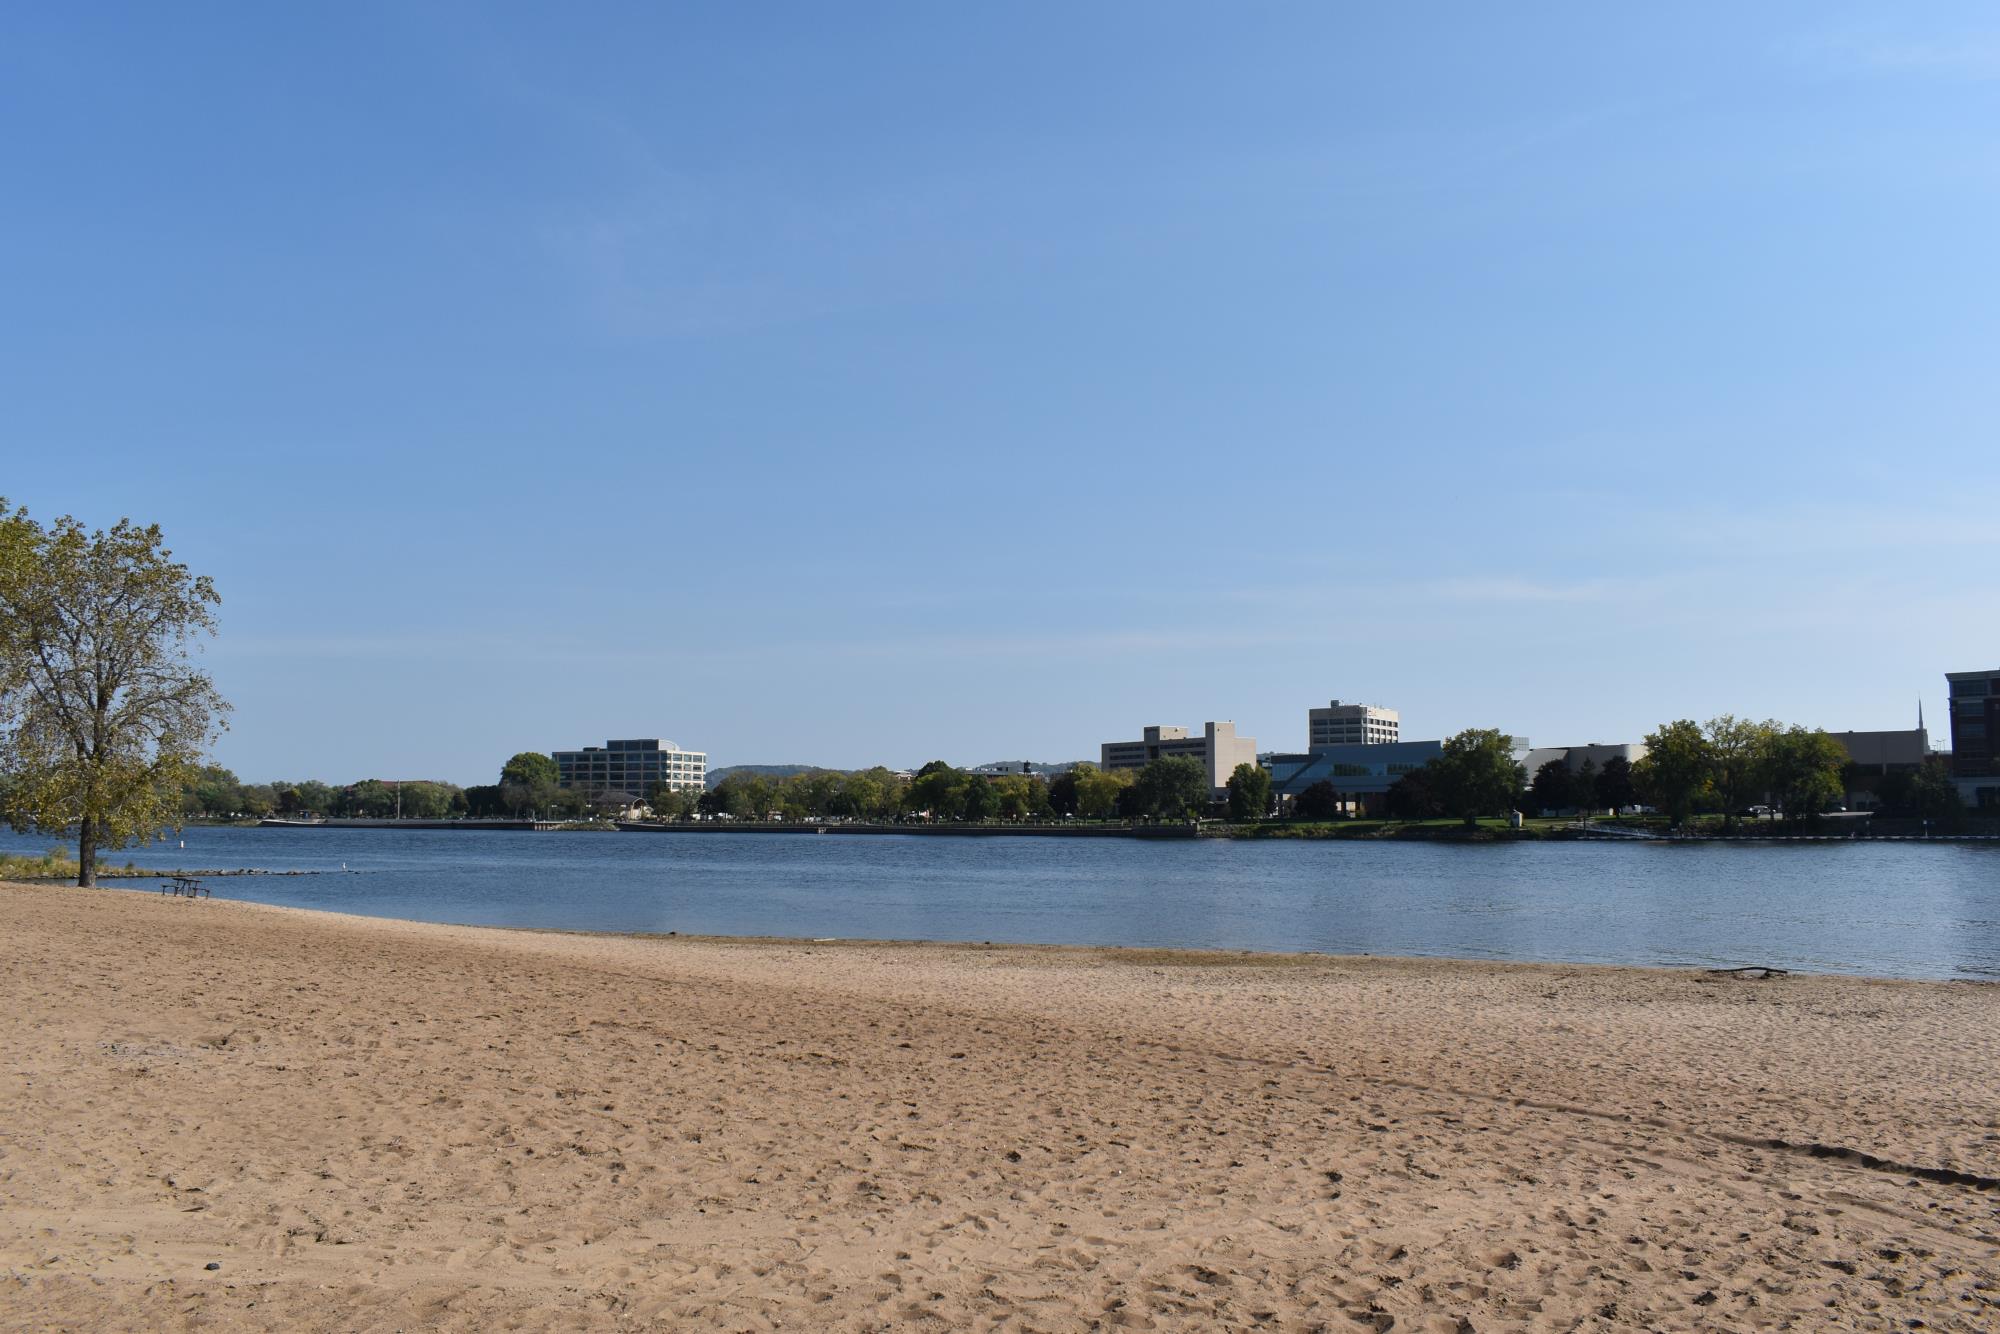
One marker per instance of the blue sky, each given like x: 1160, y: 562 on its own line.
x: 897, y: 381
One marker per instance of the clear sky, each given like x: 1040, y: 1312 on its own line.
x: 886, y: 382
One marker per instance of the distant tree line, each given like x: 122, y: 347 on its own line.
x: 1728, y: 764
x: 1725, y: 766
x: 215, y: 793
x: 528, y: 788
x: 1172, y: 788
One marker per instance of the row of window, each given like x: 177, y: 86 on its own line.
x: 632, y: 761
x: 649, y: 764
x: 632, y: 764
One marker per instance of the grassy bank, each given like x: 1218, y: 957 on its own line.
x: 58, y: 865
x: 55, y: 864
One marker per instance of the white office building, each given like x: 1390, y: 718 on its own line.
x: 632, y: 768
x: 1352, y: 725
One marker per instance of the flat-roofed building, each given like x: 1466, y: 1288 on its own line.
x: 1872, y: 755
x: 1902, y: 751
x: 1597, y: 754
x: 632, y: 768
x: 1975, y: 722
x: 1360, y: 772
x: 1218, y: 748
x: 1352, y: 725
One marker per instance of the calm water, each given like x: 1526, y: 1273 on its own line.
x: 1886, y: 909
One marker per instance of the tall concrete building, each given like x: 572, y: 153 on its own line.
x: 1352, y: 725
x: 1218, y: 748
x: 632, y: 768
x: 1975, y: 724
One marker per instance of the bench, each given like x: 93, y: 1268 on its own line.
x: 178, y: 885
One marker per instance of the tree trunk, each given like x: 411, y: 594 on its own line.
x: 86, y: 853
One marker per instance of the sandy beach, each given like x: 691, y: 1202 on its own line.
x: 221, y: 1114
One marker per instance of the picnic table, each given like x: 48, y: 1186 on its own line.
x: 185, y: 884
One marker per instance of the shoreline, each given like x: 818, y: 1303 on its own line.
x: 1214, y: 954
x: 372, y: 1122
x: 1373, y: 832
x: 1190, y: 955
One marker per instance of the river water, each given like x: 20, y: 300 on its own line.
x: 1887, y: 909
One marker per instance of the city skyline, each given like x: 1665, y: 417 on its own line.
x: 951, y: 385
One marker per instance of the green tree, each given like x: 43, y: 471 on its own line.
x: 1933, y: 794
x: 1552, y: 788
x: 1320, y: 801
x: 859, y: 795
x: 211, y: 791
x: 747, y: 796
x: 530, y: 769
x: 1062, y: 793
x: 483, y: 802
x: 1038, y: 807
x: 1675, y: 771
x: 939, y: 790
x: 371, y: 798
x: 1583, y: 792
x: 978, y: 800
x: 425, y: 801
x: 1895, y: 792
x: 1477, y: 775
x: 1021, y: 796
x: 1614, y: 784
x: 1249, y: 792
x: 871, y: 794
x: 670, y: 803
x: 814, y: 794
x: 102, y: 717
x: 1097, y: 790
x: 1171, y: 787
x: 1802, y: 769
x: 1739, y: 752
x: 257, y: 800
x: 315, y: 796
x: 1413, y: 796
x: 529, y: 783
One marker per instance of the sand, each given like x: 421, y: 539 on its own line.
x: 220, y: 1114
